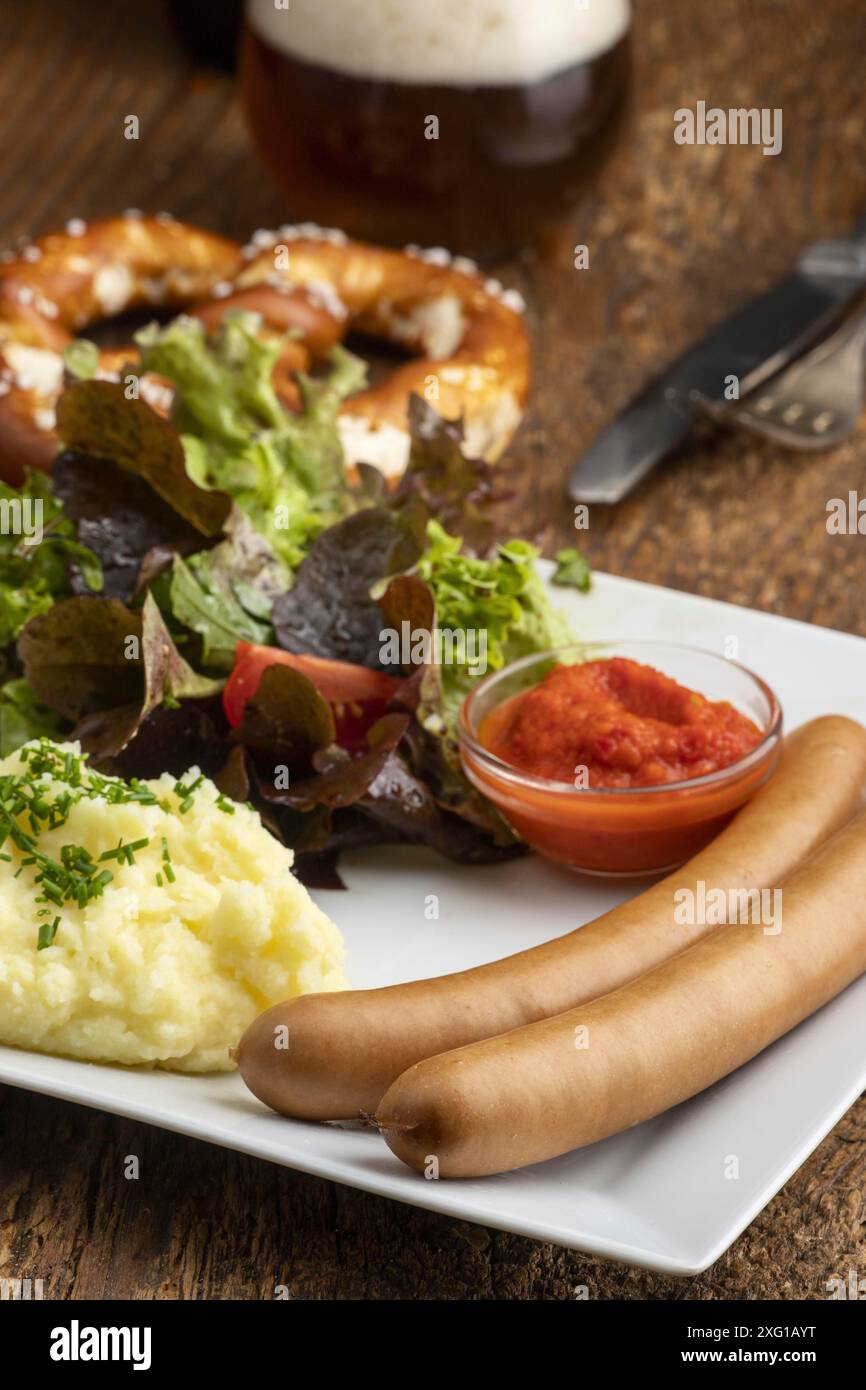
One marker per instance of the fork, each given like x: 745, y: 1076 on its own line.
x: 814, y: 403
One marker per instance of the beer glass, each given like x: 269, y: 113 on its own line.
x: 472, y: 124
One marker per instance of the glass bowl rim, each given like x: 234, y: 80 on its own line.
x: 516, y: 776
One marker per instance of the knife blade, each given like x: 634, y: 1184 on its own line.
x: 753, y: 344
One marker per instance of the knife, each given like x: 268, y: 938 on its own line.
x: 752, y: 345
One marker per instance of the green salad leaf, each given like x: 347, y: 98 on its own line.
x: 215, y: 613
x: 285, y: 471
x: 22, y: 717
x: 572, y: 571
x: 37, y: 549
x: 81, y: 359
x: 499, y: 603
x: 245, y: 566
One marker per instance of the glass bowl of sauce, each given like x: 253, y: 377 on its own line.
x: 620, y: 758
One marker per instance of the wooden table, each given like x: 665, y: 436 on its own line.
x: 677, y: 236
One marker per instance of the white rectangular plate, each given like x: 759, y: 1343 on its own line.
x: 656, y: 1196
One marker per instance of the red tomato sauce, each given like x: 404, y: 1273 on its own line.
x: 625, y: 723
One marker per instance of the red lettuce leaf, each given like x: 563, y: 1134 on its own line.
x: 464, y: 494
x: 97, y: 419
x: 175, y: 739
x: 338, y: 779
x: 375, y: 799
x: 287, y: 719
x: 121, y: 519
x: 329, y: 611
x: 97, y: 662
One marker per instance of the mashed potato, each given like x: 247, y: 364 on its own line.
x: 153, y: 971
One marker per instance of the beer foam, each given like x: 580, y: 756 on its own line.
x: 446, y: 42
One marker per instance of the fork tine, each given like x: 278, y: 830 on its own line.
x: 813, y: 404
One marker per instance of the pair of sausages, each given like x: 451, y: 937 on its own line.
x: 345, y: 1050
x: 563, y: 1082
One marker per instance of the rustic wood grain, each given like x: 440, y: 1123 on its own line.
x: 677, y: 237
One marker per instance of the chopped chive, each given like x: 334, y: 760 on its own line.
x: 42, y: 796
x: 47, y: 933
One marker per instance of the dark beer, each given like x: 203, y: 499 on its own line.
x: 473, y: 124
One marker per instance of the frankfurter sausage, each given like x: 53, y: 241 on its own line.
x: 345, y: 1049
x: 564, y: 1082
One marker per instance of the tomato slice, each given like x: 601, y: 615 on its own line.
x: 357, y: 695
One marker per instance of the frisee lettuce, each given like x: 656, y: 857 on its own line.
x: 34, y: 568
x: 503, y: 597
x: 572, y: 570
x: 285, y: 471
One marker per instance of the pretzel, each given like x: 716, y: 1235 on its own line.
x: 475, y: 354
x: 58, y: 285
x: 474, y: 349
